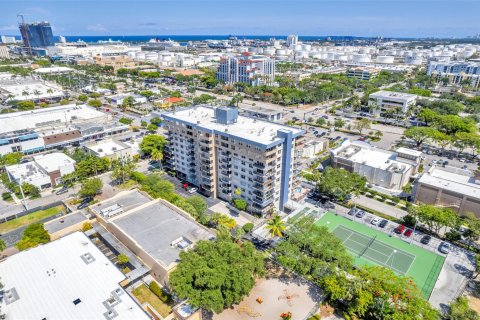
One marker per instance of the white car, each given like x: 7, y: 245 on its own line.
x: 192, y: 190
x: 375, y: 221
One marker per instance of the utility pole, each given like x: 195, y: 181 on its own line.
x: 25, y: 205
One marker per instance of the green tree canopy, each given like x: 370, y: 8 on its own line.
x: 275, y: 226
x: 25, y: 105
x: 95, y: 103
x: 90, y: 187
x: 216, y: 274
x: 460, y: 310
x: 339, y: 183
x: 419, y: 135
x: 435, y: 218
x: 151, y: 142
x: 199, y: 203
x: 33, y: 235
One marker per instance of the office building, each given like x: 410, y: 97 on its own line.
x: 36, y: 35
x: 44, y: 171
x: 54, y: 128
x: 69, y: 278
x: 254, y: 70
x: 450, y: 187
x: 386, y: 169
x: 223, y: 153
x: 363, y: 73
x: 155, y: 230
x: 382, y: 101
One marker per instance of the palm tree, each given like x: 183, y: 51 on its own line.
x: 157, y: 155
x: 37, y: 93
x: 276, y: 226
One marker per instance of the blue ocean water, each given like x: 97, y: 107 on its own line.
x: 186, y: 38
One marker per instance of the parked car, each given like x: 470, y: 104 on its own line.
x: 82, y: 205
x: 87, y: 199
x: 315, y: 132
x: 360, y: 214
x: 375, y: 221
x: 383, y: 223
x: 444, y: 247
x: 61, y: 191
x: 399, y: 229
x: 408, y: 233
x: 352, y: 211
x: 192, y: 189
x: 425, y: 239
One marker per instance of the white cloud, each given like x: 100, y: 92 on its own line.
x: 96, y: 27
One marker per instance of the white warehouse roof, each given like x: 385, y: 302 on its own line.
x: 69, y: 278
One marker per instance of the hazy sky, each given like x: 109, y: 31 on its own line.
x: 390, y: 18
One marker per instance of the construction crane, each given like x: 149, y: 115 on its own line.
x: 24, y: 32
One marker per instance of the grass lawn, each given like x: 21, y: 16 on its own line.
x: 144, y: 294
x: 29, y: 218
x: 425, y: 267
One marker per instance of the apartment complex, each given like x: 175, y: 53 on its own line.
x: 254, y: 70
x: 381, y: 101
x: 222, y: 153
x: 450, y: 187
x: 389, y: 170
x: 53, y: 128
x: 457, y: 72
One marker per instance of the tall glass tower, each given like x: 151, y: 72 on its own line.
x: 37, y: 34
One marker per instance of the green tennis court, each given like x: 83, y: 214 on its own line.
x: 373, y: 247
x: 375, y: 250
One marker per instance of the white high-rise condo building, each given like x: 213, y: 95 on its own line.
x: 292, y: 40
x: 230, y: 156
x: 254, y: 70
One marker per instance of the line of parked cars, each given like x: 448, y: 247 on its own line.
x: 376, y: 221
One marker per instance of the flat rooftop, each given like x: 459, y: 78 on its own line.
x: 128, y: 200
x: 409, y: 151
x: 155, y: 226
x: 65, y: 221
x: 262, y: 110
x: 27, y: 172
x: 53, y: 161
x: 365, y: 154
x: 259, y: 131
x: 69, y: 278
x: 107, y: 147
x: 47, y: 117
x: 34, y: 90
x: 53, y: 70
x: 452, y: 179
x: 393, y: 95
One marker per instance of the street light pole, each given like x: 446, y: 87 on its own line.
x: 25, y: 205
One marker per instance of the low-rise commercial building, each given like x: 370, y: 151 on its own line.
x: 155, y: 230
x: 44, y: 171
x: 112, y: 149
x: 314, y: 147
x: 262, y: 113
x: 29, y: 89
x: 51, y: 128
x: 389, y: 170
x: 69, y: 278
x: 381, y: 101
x: 450, y: 187
x: 223, y: 153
